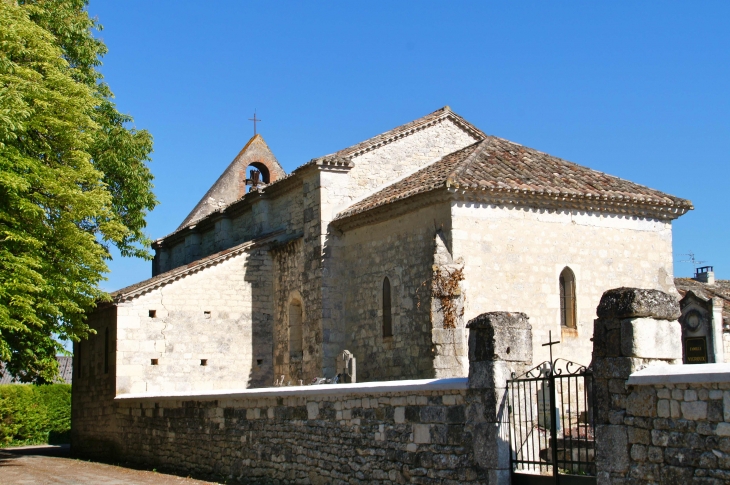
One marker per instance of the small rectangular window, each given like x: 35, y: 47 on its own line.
x: 203, y: 361
x: 259, y: 361
x: 155, y: 362
x: 206, y: 314
x: 153, y: 313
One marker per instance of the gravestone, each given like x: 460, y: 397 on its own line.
x: 346, y: 367
x: 701, y: 335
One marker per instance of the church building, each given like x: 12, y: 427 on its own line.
x: 385, y: 249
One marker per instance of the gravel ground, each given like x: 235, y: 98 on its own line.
x: 41, y: 465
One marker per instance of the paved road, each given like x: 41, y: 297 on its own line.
x: 42, y: 465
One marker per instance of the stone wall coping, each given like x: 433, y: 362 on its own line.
x: 447, y: 384
x: 681, y: 374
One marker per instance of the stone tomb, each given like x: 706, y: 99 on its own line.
x: 701, y: 333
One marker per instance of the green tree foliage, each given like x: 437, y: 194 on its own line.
x: 34, y: 414
x: 73, y: 181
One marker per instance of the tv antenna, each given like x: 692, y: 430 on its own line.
x: 692, y: 259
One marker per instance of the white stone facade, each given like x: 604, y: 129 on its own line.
x: 211, y: 317
x: 514, y: 256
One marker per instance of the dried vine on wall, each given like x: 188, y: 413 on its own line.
x: 445, y: 287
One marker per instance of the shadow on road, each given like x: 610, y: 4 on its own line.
x: 9, y: 455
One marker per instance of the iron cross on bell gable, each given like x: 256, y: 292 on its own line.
x: 254, y: 119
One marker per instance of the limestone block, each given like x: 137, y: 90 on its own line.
x: 637, y: 302
x: 612, y: 448
x: 312, y: 410
x: 421, y: 433
x: 726, y: 405
x: 648, y: 338
x: 663, y: 410
x: 642, y: 402
x: 130, y: 370
x: 489, y: 375
x: 723, y: 429
x: 491, y: 446
x: 499, y: 477
x: 505, y: 336
x: 694, y: 410
x: 399, y: 415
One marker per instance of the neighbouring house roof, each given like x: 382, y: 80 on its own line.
x: 500, y: 168
x: 65, y: 369
x: 720, y: 289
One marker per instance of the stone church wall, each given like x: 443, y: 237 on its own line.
x: 401, y: 249
x: 221, y: 315
x: 288, y: 266
x: 243, y: 227
x: 93, y: 411
x: 384, y: 165
x: 514, y: 257
x: 282, y: 212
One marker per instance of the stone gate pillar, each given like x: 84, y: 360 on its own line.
x: 635, y: 328
x: 499, y: 343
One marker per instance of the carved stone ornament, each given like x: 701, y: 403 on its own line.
x: 692, y: 320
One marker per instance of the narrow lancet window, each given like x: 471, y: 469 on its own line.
x: 106, y: 350
x: 567, y: 299
x: 387, y: 315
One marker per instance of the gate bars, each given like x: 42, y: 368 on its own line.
x: 551, y: 422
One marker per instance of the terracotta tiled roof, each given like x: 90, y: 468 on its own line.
x: 499, y: 166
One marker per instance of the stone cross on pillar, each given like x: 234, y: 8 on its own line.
x: 500, y: 343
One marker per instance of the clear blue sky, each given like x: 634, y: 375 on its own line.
x: 640, y: 90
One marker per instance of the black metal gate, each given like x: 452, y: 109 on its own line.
x: 551, y: 424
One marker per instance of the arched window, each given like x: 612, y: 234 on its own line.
x: 387, y: 314
x: 295, y: 339
x: 567, y: 298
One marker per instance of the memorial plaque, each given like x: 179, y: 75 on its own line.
x: 696, y: 350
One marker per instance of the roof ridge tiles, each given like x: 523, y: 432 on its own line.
x: 468, y: 161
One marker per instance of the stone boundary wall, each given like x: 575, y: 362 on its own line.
x: 408, y: 431
x: 679, y: 433
x: 430, y: 431
x: 657, y: 421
